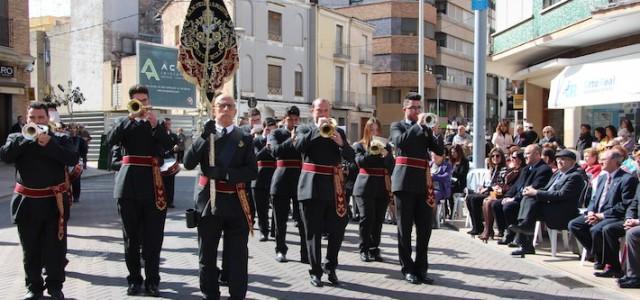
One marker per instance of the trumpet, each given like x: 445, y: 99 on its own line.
x: 429, y: 119
x: 135, y: 107
x: 377, y: 145
x: 31, y: 131
x: 328, y: 128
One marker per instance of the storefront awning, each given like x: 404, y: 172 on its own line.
x: 598, y: 83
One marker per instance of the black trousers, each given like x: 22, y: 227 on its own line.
x: 261, y: 197
x: 412, y: 208
x: 169, y: 187
x: 506, y: 215
x: 281, y: 208
x: 474, y: 205
x: 611, y: 233
x: 180, y: 156
x: 236, y: 254
x: 320, y: 215
x: 38, y: 231
x: 372, y: 211
x: 76, y: 186
x: 143, y: 233
x: 590, y: 236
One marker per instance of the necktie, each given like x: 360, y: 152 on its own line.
x: 556, y: 181
x: 603, y: 197
x: 224, y: 131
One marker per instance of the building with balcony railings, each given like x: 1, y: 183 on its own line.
x: 576, y: 60
x: 15, y: 63
x: 344, y: 68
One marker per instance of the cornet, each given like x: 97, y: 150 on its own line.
x: 377, y: 145
x: 135, y: 107
x: 30, y: 131
x: 328, y: 128
x: 429, y: 119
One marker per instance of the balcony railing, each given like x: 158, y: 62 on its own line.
x: 362, y: 100
x: 366, y: 58
x: 276, y: 37
x: 275, y: 91
x: 6, y: 31
x: 341, y: 98
x: 342, y: 51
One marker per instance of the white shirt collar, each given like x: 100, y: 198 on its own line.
x: 229, y: 128
x: 408, y: 121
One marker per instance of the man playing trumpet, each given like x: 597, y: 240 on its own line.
x: 412, y: 188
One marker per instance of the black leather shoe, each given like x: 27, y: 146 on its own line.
x: 263, y: 237
x: 152, y: 290
x: 631, y: 283
x: 598, y: 266
x: 625, y: 278
x: 331, y: 275
x: 133, y: 289
x: 522, y: 229
x: 315, y: 281
x: 424, y: 278
x: 376, y: 257
x: 56, y: 295
x: 513, y: 245
x: 522, y: 251
x: 281, y: 257
x: 507, y: 240
x: 31, y: 296
x: 411, y: 278
x: 609, y: 273
x: 364, y: 256
x: 473, y: 232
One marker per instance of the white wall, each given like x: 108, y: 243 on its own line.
x: 87, y: 51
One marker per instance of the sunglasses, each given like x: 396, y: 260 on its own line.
x: 496, y: 155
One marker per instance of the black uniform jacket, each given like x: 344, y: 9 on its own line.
x: 322, y: 151
x: 137, y: 138
x: 371, y: 186
x: 240, y: 168
x: 37, y: 167
x: 412, y: 141
x: 285, y: 180
x: 265, y: 174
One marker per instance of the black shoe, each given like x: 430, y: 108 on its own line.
x: 513, y: 245
x: 364, y: 256
x: 133, y: 289
x: 598, y: 266
x: 56, y: 295
x: 331, y: 275
x: 506, y: 240
x: 315, y: 281
x: 631, y: 283
x: 376, y: 257
x: 522, y: 251
x: 411, y: 278
x: 522, y: 228
x: 152, y: 290
x: 32, y: 296
x: 263, y: 237
x: 609, y: 273
x: 424, y: 278
x: 473, y: 232
x: 281, y: 257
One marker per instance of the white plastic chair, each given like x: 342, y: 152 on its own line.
x: 475, y: 178
x: 553, y: 237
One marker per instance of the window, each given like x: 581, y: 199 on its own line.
x: 461, y: 15
x: 298, y: 89
x: 409, y: 27
x: 5, y: 24
x: 339, y: 45
x: 275, y: 26
x: 275, y: 80
x: 176, y: 35
x: 391, y: 96
x: 511, y: 12
x: 459, y: 45
x: 339, y: 92
x: 547, y: 3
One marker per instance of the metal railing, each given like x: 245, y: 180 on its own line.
x: 275, y: 91
x: 366, y: 58
x: 342, y: 51
x: 6, y: 31
x: 276, y: 37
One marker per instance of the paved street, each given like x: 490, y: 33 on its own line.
x: 462, y: 267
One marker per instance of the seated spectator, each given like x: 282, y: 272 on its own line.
x: 497, y: 168
x: 450, y: 134
x: 601, y: 139
x: 549, y: 157
x: 549, y: 136
x: 629, y: 165
x: 535, y: 174
x: 610, y: 132
x: 555, y: 204
x: 614, y: 193
x: 631, y: 225
x: 531, y: 137
x: 591, y: 165
x: 624, y: 136
x: 501, y: 137
x: 441, y: 171
x: 460, y: 170
x: 463, y: 139
x: 519, y: 138
x: 512, y: 149
x: 585, y: 140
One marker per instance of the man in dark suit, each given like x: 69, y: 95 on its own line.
x: 585, y: 140
x: 169, y: 179
x: 262, y: 185
x: 139, y: 191
x: 631, y: 225
x: 323, y: 146
x: 614, y: 193
x: 228, y: 211
x: 17, y: 127
x: 40, y: 204
x: 414, y: 204
x: 556, y: 204
x: 535, y: 174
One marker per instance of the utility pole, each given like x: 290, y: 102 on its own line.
x: 479, y: 81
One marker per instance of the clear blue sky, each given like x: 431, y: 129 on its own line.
x: 39, y: 8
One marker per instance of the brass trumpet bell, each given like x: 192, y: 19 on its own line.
x: 377, y: 145
x: 30, y: 131
x: 135, y: 107
x: 328, y: 129
x: 430, y: 120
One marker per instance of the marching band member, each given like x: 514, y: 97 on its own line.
x: 229, y: 211
x: 321, y: 188
x: 412, y: 188
x: 139, y: 189
x: 40, y: 204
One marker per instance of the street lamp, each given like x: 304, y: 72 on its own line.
x: 239, y: 32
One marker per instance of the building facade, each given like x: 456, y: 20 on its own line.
x: 344, y: 68
x: 15, y: 63
x: 52, y: 55
x: 572, y: 59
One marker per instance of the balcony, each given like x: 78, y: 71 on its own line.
x: 342, y: 100
x: 366, y: 58
x: 342, y: 52
x: 6, y: 31
x: 275, y: 91
x: 275, y: 37
x: 363, y: 101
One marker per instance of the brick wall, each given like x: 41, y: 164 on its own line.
x: 390, y: 9
x: 403, y: 45
x: 19, y: 12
